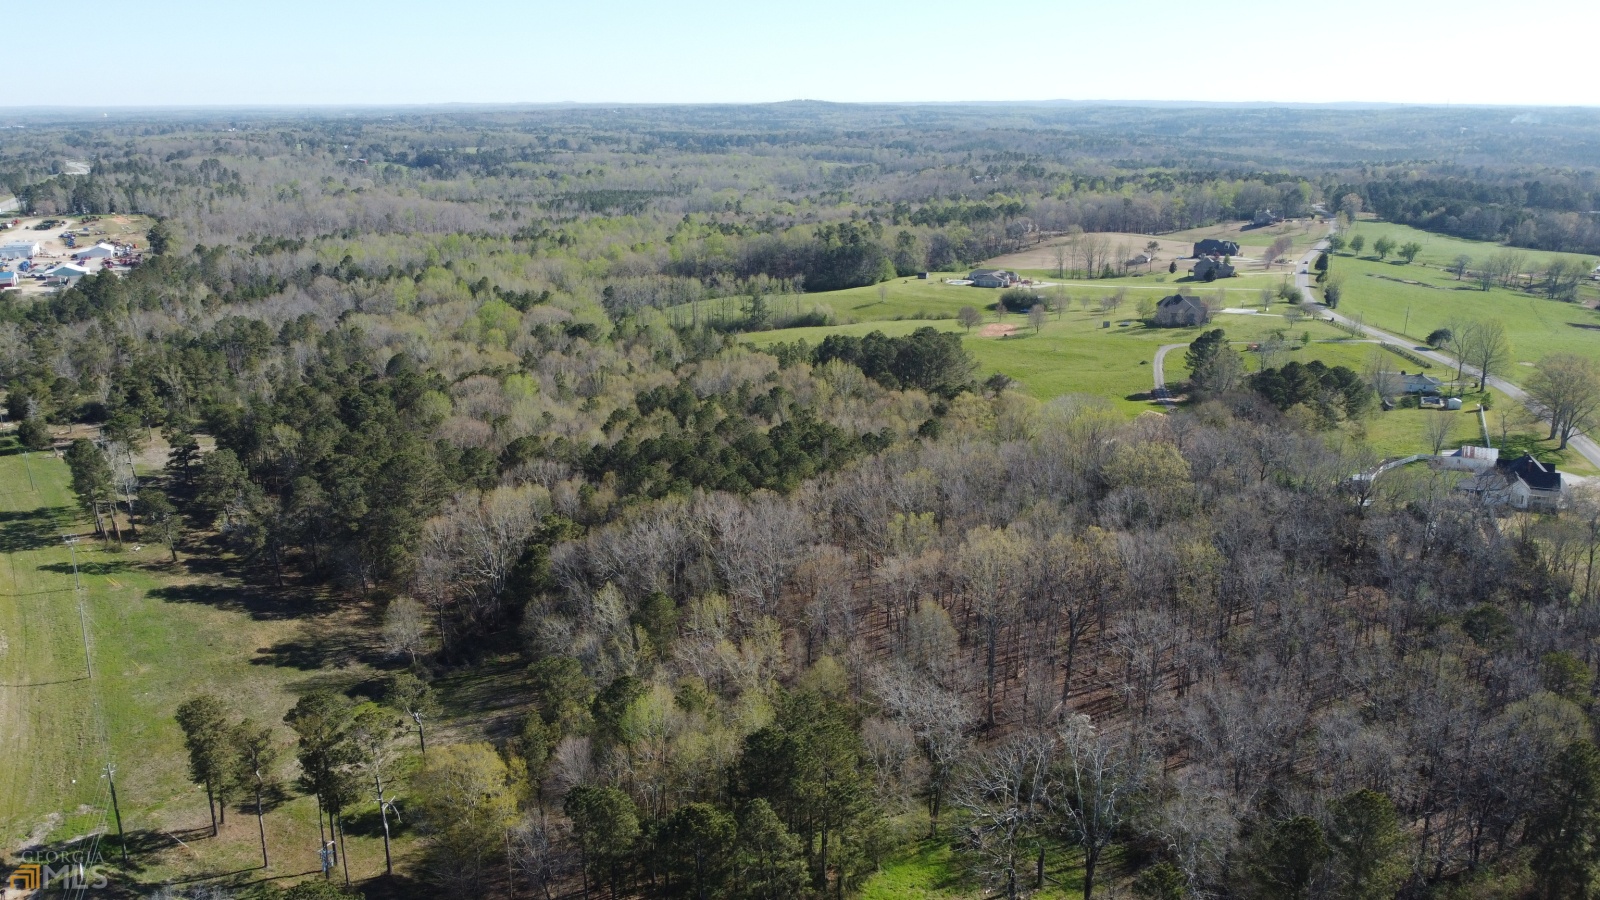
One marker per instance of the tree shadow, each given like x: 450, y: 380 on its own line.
x: 260, y: 605
x: 90, y: 568
x: 368, y: 823
x: 318, y: 646
x: 31, y: 529
x: 141, y: 845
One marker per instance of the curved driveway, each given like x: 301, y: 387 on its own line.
x: 1159, y: 370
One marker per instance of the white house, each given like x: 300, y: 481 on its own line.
x: 98, y: 251
x: 19, y: 250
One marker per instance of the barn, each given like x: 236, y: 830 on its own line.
x: 21, y: 250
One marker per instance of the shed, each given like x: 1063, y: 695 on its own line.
x: 10, y: 279
x: 20, y: 250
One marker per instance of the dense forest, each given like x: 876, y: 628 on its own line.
x: 784, y: 612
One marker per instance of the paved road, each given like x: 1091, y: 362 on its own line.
x: 1586, y: 447
x: 1159, y: 370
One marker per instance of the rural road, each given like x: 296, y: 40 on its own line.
x: 1159, y: 370
x: 1585, y: 446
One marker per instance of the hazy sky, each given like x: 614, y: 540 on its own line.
x: 182, y: 52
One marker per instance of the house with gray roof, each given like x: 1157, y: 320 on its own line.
x: 993, y: 278
x: 1210, y: 268
x: 1179, y: 311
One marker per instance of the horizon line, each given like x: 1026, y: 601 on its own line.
x: 106, y: 109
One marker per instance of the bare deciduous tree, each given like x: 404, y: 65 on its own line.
x: 1437, y: 428
x: 1566, y: 389
x: 1486, y: 349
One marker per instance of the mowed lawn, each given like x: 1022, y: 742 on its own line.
x: 156, y: 636
x: 1535, y: 326
x: 1073, y: 353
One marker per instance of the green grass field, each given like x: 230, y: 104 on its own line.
x: 1074, y: 354
x: 1380, y: 294
x: 1438, y: 250
x: 157, y: 634
x: 1071, y: 354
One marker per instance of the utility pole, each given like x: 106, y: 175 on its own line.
x: 1406, y: 329
x: 83, y: 621
x: 122, y: 839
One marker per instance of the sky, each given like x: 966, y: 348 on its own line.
x: 358, y: 52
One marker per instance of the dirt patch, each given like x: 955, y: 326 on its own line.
x: 997, y: 330
x: 1043, y: 256
x: 1406, y: 281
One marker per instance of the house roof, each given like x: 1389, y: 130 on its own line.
x: 1179, y: 300
x: 1535, y: 474
x: 977, y: 272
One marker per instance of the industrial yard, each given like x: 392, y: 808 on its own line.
x: 40, y: 254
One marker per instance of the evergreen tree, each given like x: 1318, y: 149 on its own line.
x: 93, y: 482
x: 606, y: 826
x: 1565, y: 829
x: 1368, y: 846
x: 697, y: 839
x: 768, y: 861
x: 206, y: 735
x: 1289, y: 859
x: 34, y: 434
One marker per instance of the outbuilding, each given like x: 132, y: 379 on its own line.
x: 20, y: 250
x: 10, y: 279
x: 66, y: 273
x: 98, y: 251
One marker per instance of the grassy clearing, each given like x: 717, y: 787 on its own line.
x: 931, y: 870
x: 1072, y: 353
x: 1534, y: 325
x: 1438, y: 250
x: 158, y: 634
